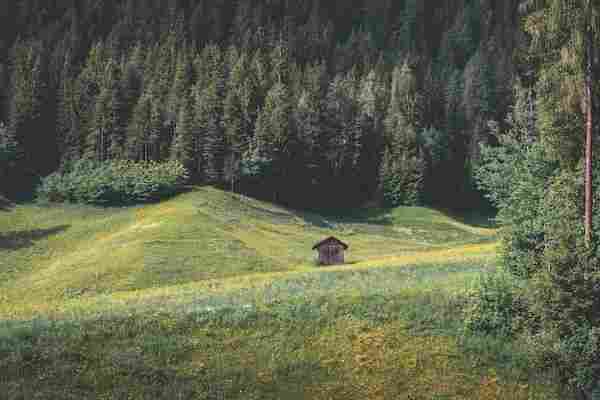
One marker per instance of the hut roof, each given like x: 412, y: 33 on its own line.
x: 328, y: 240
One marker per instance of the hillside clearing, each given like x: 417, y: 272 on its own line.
x: 210, y: 295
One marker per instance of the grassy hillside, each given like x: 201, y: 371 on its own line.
x: 214, y: 296
x: 57, y: 252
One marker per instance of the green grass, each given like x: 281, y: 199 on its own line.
x: 55, y: 252
x: 215, y: 296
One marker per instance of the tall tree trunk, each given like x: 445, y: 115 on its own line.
x: 588, y: 136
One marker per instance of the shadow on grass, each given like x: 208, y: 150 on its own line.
x: 5, y: 204
x: 476, y: 218
x: 383, y: 216
x: 333, y: 219
x: 14, y: 240
x: 330, y: 219
x: 314, y: 220
x: 282, y: 217
x: 347, y: 263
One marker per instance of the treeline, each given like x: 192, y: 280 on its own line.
x: 547, y: 294
x: 307, y: 103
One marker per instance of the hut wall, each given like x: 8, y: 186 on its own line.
x: 339, y: 256
x: 331, y: 254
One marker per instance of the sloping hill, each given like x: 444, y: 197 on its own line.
x: 210, y: 295
x: 205, y: 234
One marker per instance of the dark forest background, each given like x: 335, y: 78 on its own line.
x: 309, y: 103
x: 335, y: 103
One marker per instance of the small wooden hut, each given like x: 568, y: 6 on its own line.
x: 331, y: 251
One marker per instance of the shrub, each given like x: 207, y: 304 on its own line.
x: 114, y: 182
x: 491, y: 304
x: 556, y: 308
x: 563, y: 294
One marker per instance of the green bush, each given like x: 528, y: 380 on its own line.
x: 556, y: 308
x: 563, y: 294
x: 491, y: 305
x: 113, y: 182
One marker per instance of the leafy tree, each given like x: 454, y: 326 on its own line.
x: 544, y: 246
x: 116, y: 182
x: 567, y: 31
x: 513, y: 176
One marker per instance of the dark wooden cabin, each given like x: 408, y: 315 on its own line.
x: 331, y: 251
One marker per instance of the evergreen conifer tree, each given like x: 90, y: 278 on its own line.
x: 97, y: 139
x: 8, y: 151
x: 280, y: 63
x: 138, y: 131
x: 210, y: 133
x: 88, y: 86
x: 182, y: 83
x: 308, y: 118
x: 118, y: 113
x: 160, y: 131
x: 24, y: 114
x: 259, y: 70
x: 274, y: 131
x: 131, y: 86
x: 402, y: 161
x: 66, y: 114
x: 106, y: 137
x: 183, y: 141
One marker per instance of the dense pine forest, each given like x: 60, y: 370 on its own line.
x: 322, y: 104
x: 308, y: 103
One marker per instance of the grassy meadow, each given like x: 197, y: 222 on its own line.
x: 212, y: 295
